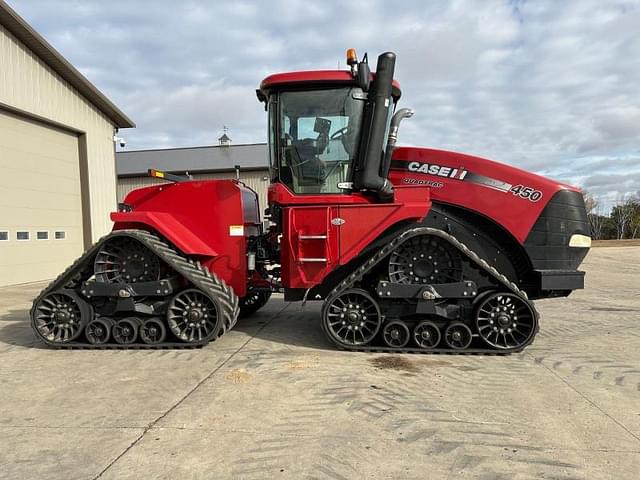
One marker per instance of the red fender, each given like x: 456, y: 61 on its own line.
x: 167, y: 226
x: 209, y: 221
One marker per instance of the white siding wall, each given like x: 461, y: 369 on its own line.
x: 28, y: 84
x: 253, y: 179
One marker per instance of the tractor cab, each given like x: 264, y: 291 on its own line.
x: 327, y: 129
x: 331, y: 134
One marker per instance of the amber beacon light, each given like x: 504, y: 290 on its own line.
x: 352, y: 57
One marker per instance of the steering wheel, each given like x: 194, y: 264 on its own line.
x: 338, y: 133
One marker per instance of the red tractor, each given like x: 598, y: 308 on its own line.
x: 409, y: 249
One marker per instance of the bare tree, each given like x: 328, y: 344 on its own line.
x: 594, y: 215
x: 634, y: 223
x: 590, y: 202
x: 596, y: 222
x: 635, y: 228
x: 622, y: 215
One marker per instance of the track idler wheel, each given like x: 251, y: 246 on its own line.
x: 352, y: 318
x: 426, y: 335
x: 193, y: 316
x: 125, y: 331
x: 60, y: 316
x: 153, y: 331
x: 396, y: 334
x: 98, y: 330
x: 505, y: 321
x: 458, y: 336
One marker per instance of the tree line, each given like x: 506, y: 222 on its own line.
x: 623, y: 221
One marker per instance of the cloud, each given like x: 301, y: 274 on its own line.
x: 549, y: 86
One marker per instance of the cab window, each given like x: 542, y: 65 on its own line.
x: 318, y: 138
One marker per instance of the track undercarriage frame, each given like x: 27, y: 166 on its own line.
x: 185, y: 306
x: 487, y: 314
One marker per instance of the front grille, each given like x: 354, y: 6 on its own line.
x: 548, y: 241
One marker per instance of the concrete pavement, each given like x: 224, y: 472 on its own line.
x: 272, y: 399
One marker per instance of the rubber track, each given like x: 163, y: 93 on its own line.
x: 192, y: 271
x: 359, y: 273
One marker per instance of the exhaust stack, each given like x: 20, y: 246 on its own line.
x: 393, y: 138
x: 376, y: 112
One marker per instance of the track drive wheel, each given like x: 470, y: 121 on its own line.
x: 425, y: 259
x: 61, y: 316
x: 505, y: 321
x: 125, y: 331
x: 396, y: 334
x: 153, y: 331
x: 98, y: 330
x: 426, y: 335
x: 126, y: 260
x: 194, y: 316
x: 351, y: 318
x: 253, y: 302
x: 458, y: 336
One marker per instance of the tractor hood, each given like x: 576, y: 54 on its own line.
x: 512, y: 197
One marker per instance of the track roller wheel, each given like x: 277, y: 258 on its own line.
x: 253, y: 302
x: 426, y: 335
x: 152, y: 331
x: 458, y: 336
x: 98, y: 330
x: 61, y: 316
x: 505, y: 321
x: 125, y: 331
x: 396, y: 334
x: 352, y: 318
x: 193, y: 316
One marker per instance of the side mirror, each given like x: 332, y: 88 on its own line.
x: 364, y: 74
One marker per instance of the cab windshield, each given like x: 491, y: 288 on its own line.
x: 318, y: 134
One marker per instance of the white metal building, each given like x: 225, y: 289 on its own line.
x: 58, y: 180
x: 209, y: 162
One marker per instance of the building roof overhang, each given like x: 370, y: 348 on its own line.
x: 49, y: 55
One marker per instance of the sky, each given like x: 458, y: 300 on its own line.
x: 552, y: 87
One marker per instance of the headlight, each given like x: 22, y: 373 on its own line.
x: 582, y: 241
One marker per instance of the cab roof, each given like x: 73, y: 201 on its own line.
x: 323, y: 78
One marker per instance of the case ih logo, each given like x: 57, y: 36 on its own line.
x: 438, y: 170
x: 522, y: 191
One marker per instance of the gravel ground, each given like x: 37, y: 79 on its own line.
x: 272, y: 399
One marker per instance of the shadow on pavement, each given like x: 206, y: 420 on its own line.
x: 15, y: 329
x: 292, y: 326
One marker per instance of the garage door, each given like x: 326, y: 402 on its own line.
x: 40, y: 201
